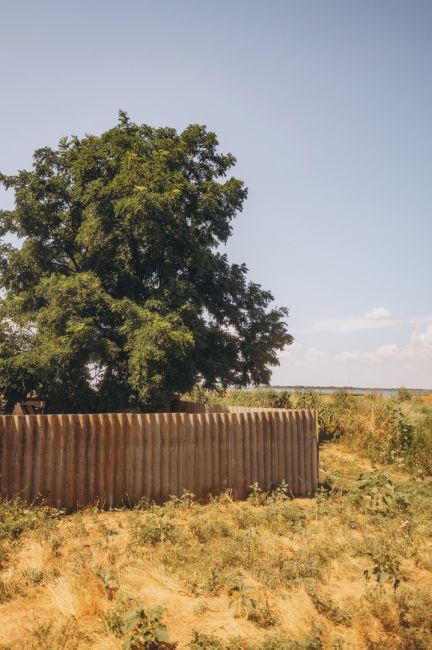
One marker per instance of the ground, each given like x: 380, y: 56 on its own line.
x: 351, y: 568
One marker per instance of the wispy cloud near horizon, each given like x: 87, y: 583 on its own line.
x: 376, y: 313
x: 394, y: 362
x: 376, y: 318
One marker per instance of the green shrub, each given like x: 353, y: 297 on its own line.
x: 377, y: 494
x: 144, y: 630
x: 262, y: 398
x: 202, y: 641
x: 204, y: 395
x: 311, y: 642
x: 154, y: 528
x: 328, y: 608
x: 206, y: 642
x: 399, y: 441
x: 207, y: 529
x: 17, y: 516
x: 280, y: 516
x: 307, y: 399
x: 403, y: 395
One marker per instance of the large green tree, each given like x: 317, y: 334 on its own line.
x: 119, y: 293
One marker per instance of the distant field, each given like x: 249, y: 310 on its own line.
x: 353, y: 390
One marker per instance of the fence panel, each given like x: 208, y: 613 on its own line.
x: 117, y: 458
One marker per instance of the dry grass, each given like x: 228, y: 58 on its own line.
x: 349, y: 569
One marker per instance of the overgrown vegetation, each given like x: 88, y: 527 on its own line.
x: 351, y: 568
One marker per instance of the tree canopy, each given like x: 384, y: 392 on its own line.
x: 119, y: 293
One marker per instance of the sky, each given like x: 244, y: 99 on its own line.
x: 327, y: 107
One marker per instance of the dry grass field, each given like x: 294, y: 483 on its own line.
x: 349, y: 569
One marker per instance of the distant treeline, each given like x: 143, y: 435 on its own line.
x: 351, y: 389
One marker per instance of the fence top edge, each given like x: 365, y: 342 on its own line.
x: 175, y: 413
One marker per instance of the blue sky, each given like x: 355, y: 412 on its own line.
x: 327, y: 107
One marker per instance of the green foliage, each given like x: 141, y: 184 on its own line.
x: 342, y: 400
x: 241, y: 601
x: 304, y: 564
x: 257, y: 496
x: 421, y: 417
x: 415, y: 618
x: 330, y: 413
x: 154, y: 528
x: 119, y: 294
x: 378, y: 490
x: 264, y: 398
x: 185, y: 501
x: 281, y: 492
x: 386, y: 569
x: 311, y: 642
x: 109, y: 581
x: 283, y: 516
x: 279, y: 515
x: 306, y: 399
x: 403, y: 395
x: 262, y: 614
x: 159, y: 355
x: 328, y: 608
x: 204, y: 395
x: 244, y: 604
x: 145, y: 630
x: 207, y: 529
x: 16, y: 517
x: 401, y: 435
x: 202, y: 641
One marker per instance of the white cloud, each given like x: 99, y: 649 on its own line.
x: 354, y: 324
x: 376, y: 318
x: 390, y: 365
x: 377, y: 312
x: 312, y: 354
x: 387, y: 351
x: 419, y: 347
x: 383, y: 352
x: 426, y: 337
x: 348, y: 355
x: 309, y: 357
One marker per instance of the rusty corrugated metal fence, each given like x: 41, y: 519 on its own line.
x: 117, y: 458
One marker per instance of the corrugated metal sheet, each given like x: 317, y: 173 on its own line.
x: 112, y: 459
